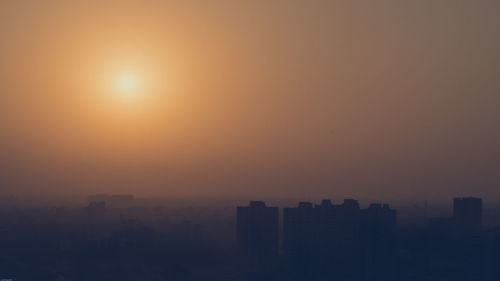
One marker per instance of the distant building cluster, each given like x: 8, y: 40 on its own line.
x: 467, y: 218
x: 325, y: 241
x: 459, y: 243
x: 318, y: 241
x: 468, y: 213
x: 136, y: 239
x: 100, y: 201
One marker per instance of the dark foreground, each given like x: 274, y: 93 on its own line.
x: 256, y: 242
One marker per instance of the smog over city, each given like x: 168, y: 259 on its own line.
x: 249, y: 140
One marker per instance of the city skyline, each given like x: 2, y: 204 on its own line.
x: 249, y: 140
x: 345, y: 242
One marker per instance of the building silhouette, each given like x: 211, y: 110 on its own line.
x: 467, y: 214
x: 342, y: 242
x: 113, y: 200
x: 100, y: 197
x: 299, y: 241
x: 492, y: 254
x: 339, y: 248
x: 379, y: 241
x: 96, y: 207
x: 457, y: 242
x: 257, y: 230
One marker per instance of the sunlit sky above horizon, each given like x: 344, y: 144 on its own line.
x: 365, y: 99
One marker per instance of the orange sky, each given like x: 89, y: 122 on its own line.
x: 386, y: 100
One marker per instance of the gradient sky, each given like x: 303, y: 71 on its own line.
x: 366, y: 99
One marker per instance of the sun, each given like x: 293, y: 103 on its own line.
x: 128, y: 84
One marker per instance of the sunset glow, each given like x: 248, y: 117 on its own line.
x: 133, y: 134
x: 249, y: 97
x: 128, y: 85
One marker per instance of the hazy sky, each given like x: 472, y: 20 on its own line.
x: 366, y: 99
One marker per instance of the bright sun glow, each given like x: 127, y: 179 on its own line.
x: 128, y: 84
